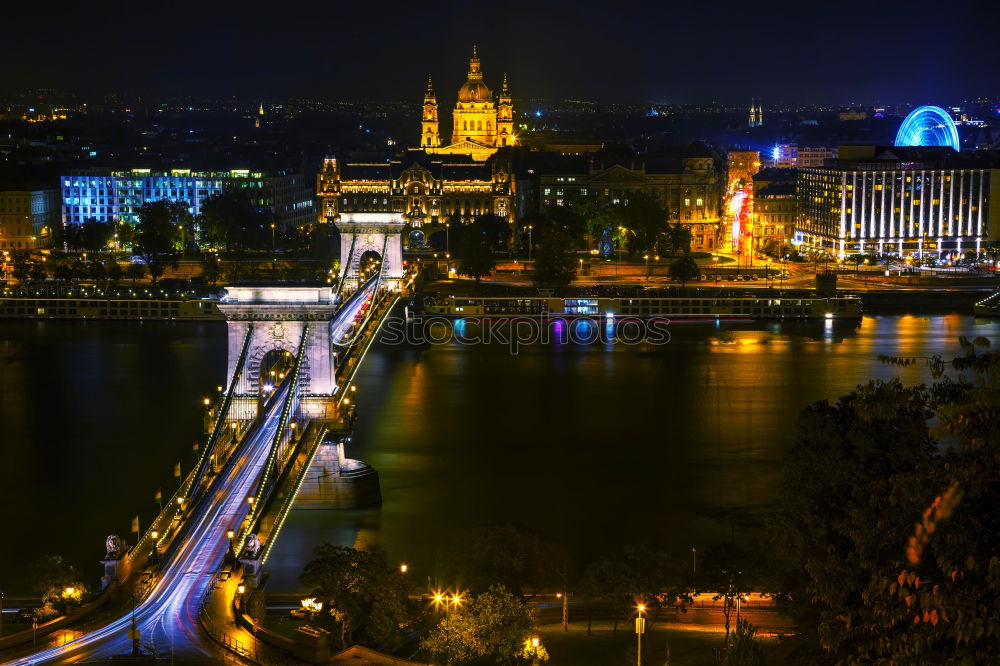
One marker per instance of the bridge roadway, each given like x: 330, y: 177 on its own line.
x: 168, y: 617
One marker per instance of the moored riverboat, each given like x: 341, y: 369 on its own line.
x: 89, y: 307
x: 700, y: 307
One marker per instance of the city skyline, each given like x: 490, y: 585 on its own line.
x: 661, y: 54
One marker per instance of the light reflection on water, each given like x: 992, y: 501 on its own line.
x: 597, y: 445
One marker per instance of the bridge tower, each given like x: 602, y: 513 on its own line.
x: 371, y: 233
x: 276, y: 318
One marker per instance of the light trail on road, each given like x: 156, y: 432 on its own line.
x: 168, y: 618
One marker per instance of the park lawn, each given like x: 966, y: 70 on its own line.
x: 605, y: 648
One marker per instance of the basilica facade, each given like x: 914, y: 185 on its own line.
x: 481, y: 124
x: 434, y: 184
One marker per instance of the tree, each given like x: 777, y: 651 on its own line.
x: 676, y: 240
x: 495, y: 229
x: 646, y: 221
x: 636, y: 574
x: 517, y: 558
x: 475, y: 254
x: 496, y: 625
x: 887, y: 534
x: 136, y: 272
x: 555, y: 262
x: 684, y: 269
x: 599, y: 216
x: 124, y: 234
x: 729, y: 572
x: 742, y: 647
x: 157, y: 233
x: 364, y: 598
x: 230, y: 221
x: 22, y: 267
x: 94, y: 236
x: 211, y: 268
x: 156, y: 269
x: 59, y: 585
x: 115, y: 271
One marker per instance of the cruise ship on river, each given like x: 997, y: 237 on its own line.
x: 93, y: 307
x: 700, y: 307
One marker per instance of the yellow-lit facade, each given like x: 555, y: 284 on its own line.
x: 481, y: 124
x: 425, y: 189
x: 27, y: 218
x: 741, y: 167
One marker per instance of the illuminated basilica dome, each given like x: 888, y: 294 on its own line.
x: 480, y: 123
x: 474, y: 90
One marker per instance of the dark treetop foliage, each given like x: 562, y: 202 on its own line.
x: 887, y: 540
x: 364, y: 598
x: 555, y: 261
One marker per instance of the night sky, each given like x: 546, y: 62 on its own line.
x: 811, y: 51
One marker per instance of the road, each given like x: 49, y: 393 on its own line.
x: 168, y: 618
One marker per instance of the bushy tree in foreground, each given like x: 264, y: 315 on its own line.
x: 494, y: 626
x: 887, y: 539
x: 364, y: 598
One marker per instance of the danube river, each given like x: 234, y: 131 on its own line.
x: 595, y: 445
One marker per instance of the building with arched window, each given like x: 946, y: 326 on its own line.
x: 426, y: 189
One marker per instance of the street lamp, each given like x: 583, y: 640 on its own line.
x: 640, y: 629
x: 273, y: 250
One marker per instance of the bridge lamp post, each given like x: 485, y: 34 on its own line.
x: 240, y: 589
x: 229, y: 535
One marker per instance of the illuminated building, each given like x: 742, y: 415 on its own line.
x: 790, y: 155
x: 928, y: 126
x: 775, y: 212
x: 852, y: 115
x: 108, y: 196
x: 688, y: 183
x: 27, y: 216
x: 899, y: 200
x: 741, y: 165
x: 756, y: 115
x: 426, y: 189
x: 480, y: 125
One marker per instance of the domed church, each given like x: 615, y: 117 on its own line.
x: 480, y: 125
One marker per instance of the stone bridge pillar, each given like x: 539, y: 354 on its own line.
x: 368, y: 232
x: 279, y: 315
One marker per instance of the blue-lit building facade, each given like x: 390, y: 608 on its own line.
x: 110, y: 196
x: 900, y: 200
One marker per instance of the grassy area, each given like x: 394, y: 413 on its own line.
x: 605, y: 647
